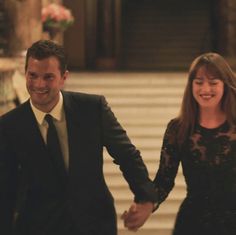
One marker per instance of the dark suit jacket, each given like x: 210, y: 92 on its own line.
x: 55, y: 200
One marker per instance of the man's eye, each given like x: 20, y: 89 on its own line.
x: 49, y: 77
x: 32, y: 76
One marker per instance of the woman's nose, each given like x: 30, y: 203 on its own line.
x: 206, y: 87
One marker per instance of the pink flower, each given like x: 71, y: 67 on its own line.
x: 55, y: 15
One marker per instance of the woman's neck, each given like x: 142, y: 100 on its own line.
x: 211, y: 118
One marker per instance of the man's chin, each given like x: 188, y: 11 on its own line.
x: 39, y: 101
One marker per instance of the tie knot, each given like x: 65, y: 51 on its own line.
x: 48, y: 118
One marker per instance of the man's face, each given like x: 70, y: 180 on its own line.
x: 44, y: 81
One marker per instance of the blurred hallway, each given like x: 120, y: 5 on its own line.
x: 143, y: 103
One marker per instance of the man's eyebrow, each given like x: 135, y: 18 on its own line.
x: 49, y: 74
x: 31, y: 72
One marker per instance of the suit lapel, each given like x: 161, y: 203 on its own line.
x: 76, y: 132
x: 73, y: 124
x: 33, y: 136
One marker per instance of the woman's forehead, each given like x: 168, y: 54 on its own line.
x: 207, y: 71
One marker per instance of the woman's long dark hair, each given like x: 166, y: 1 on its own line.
x: 189, y: 113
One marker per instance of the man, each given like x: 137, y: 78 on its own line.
x: 62, y: 191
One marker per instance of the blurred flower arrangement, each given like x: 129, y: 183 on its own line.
x: 55, y: 16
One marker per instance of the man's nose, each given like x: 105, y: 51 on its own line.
x: 40, y: 82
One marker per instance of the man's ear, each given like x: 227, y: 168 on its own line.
x: 65, y: 75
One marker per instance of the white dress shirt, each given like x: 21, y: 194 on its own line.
x: 59, y: 121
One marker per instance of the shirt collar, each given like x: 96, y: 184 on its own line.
x: 56, y: 112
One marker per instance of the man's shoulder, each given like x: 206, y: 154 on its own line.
x: 15, y: 113
x: 13, y: 120
x: 81, y: 97
x: 80, y: 94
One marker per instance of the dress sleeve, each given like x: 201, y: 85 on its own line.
x: 169, y: 163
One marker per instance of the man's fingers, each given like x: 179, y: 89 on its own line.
x: 124, y: 215
x: 134, y: 229
x: 133, y: 208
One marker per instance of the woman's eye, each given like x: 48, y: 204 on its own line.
x: 198, y: 82
x: 215, y: 82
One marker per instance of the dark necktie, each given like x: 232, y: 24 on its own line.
x: 53, y: 146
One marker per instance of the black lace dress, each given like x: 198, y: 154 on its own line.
x: 208, y: 159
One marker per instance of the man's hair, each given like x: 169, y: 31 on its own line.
x: 43, y: 49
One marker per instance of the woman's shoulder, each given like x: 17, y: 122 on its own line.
x: 173, y: 124
x: 171, y: 132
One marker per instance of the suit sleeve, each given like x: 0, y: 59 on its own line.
x: 8, y: 179
x: 126, y: 156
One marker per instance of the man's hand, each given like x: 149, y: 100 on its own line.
x: 137, y: 215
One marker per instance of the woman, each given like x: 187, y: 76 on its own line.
x: 203, y: 139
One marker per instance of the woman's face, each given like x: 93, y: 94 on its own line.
x: 208, y: 89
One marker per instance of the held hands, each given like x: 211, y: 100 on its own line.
x: 137, y: 215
